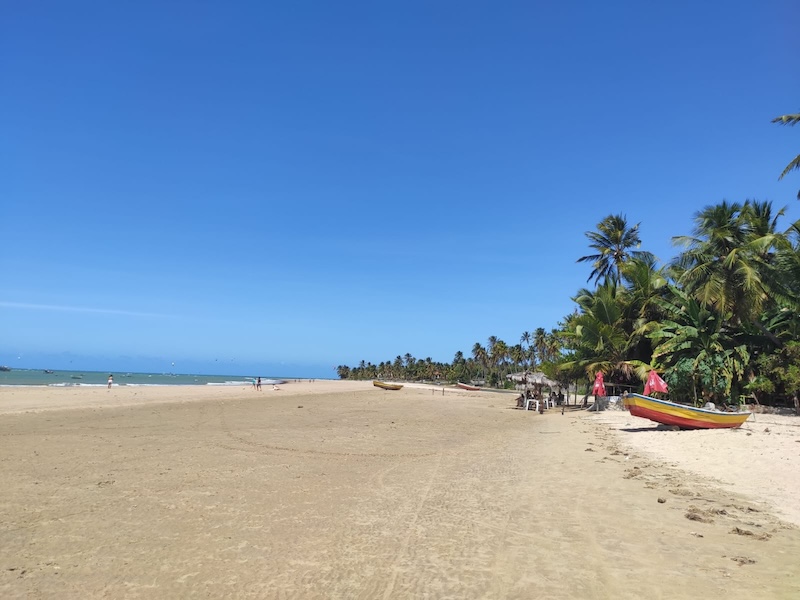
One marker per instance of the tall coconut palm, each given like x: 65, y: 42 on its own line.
x: 525, y: 340
x: 540, y: 344
x: 695, y: 334
x: 795, y: 163
x: 602, y: 335
x: 517, y: 354
x: 490, y: 354
x: 787, y: 264
x: 481, y: 356
x: 499, y: 357
x: 397, y: 367
x: 553, y: 346
x: 643, y: 280
x: 643, y: 283
x: 429, y: 368
x: 615, y: 242
x: 727, y: 263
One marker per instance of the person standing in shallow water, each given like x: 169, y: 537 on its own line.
x: 110, y: 381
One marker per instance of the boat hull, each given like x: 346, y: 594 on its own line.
x: 387, y: 386
x: 685, y: 417
x: 471, y: 388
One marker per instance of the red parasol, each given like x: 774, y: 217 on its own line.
x: 599, y: 388
x: 654, y: 384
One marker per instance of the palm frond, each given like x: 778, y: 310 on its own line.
x: 795, y: 164
x: 787, y: 119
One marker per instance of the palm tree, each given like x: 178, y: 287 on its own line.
x: 499, y: 356
x: 525, y: 340
x: 693, y: 337
x: 481, y: 356
x: 490, y: 354
x: 614, y: 241
x: 540, y: 344
x: 602, y: 335
x: 517, y: 354
x: 727, y: 264
x: 643, y: 283
x: 397, y: 367
x: 553, y: 346
x: 429, y: 368
x: 794, y: 164
x: 458, y: 368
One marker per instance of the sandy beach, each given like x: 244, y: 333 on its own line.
x: 333, y: 489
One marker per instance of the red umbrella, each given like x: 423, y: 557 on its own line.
x: 654, y: 384
x: 599, y: 388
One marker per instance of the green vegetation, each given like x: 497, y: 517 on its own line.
x: 794, y: 164
x: 489, y: 364
x: 721, y: 320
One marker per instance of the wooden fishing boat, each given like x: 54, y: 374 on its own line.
x: 466, y: 386
x: 685, y: 417
x: 387, y: 386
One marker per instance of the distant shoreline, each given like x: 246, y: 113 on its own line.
x: 82, y: 378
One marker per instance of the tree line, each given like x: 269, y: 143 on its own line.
x: 487, y: 364
x: 720, y: 321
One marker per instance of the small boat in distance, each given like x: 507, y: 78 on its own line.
x: 387, y: 386
x: 466, y: 386
x: 77, y: 377
x: 680, y: 415
x: 48, y: 372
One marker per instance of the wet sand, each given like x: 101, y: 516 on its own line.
x: 342, y: 490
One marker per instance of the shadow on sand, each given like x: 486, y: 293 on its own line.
x: 642, y: 429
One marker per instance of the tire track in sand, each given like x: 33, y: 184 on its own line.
x: 255, y: 446
x: 395, y: 569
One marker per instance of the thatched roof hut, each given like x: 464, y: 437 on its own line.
x: 528, y: 380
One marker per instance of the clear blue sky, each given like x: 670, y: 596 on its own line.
x: 282, y: 187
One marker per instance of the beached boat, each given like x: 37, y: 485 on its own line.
x: 680, y: 415
x: 466, y: 386
x: 387, y: 386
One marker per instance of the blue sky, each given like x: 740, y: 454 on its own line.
x: 285, y: 187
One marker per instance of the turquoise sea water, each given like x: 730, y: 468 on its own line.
x: 96, y: 378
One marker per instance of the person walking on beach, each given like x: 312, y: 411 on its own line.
x: 258, y: 383
x: 110, y: 381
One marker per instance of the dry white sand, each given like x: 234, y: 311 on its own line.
x: 761, y: 458
x: 342, y: 490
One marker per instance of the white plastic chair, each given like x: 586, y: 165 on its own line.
x: 530, y: 401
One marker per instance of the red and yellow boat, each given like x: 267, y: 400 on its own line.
x: 685, y: 417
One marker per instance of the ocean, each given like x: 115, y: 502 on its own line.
x: 97, y: 378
